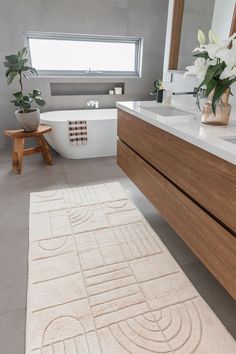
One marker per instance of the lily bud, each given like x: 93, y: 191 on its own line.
x: 213, y: 39
x: 201, y: 37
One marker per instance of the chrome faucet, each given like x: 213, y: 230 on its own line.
x: 184, y: 93
x: 201, y: 93
x: 93, y: 103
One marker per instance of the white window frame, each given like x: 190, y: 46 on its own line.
x: 138, y: 41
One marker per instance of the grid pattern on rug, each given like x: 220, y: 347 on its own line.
x: 101, y: 282
x: 78, y: 134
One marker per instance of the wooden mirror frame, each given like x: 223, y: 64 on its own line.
x: 178, y: 12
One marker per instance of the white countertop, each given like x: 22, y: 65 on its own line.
x: 188, y: 128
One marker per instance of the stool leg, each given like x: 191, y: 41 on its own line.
x: 45, y: 150
x: 17, y: 156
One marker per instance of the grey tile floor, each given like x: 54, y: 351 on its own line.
x: 14, y: 212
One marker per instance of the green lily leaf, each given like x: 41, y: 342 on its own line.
x: 214, y: 72
x: 211, y: 85
x: 220, y: 89
x: 201, y: 55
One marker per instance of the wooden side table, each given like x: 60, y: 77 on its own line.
x: 19, y: 151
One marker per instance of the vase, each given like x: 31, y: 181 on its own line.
x: 30, y: 120
x: 223, y: 110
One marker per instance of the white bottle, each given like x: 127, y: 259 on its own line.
x: 167, y: 97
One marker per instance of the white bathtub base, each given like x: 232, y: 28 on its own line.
x: 102, y: 133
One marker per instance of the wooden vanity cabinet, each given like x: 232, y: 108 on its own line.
x: 194, y: 190
x: 207, y: 179
x: 147, y: 179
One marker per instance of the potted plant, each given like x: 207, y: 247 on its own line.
x: 158, y: 90
x: 28, y: 117
x: 215, y: 67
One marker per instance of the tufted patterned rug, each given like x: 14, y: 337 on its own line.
x: 101, y: 281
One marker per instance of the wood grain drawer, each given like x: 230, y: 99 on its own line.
x: 149, y: 181
x: 207, y: 179
x: 213, y: 245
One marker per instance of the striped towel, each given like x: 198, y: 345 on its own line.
x: 78, y: 134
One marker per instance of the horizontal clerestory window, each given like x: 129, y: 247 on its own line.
x: 58, y: 54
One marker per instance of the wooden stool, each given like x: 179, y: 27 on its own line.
x: 19, y: 137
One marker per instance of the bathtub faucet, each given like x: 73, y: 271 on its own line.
x: 93, y: 103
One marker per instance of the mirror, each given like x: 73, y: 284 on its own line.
x: 188, y: 17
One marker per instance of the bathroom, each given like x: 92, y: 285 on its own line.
x: 68, y: 283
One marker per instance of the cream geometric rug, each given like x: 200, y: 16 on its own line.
x: 101, y: 281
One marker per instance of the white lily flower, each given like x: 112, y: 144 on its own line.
x: 213, y: 38
x: 228, y: 73
x: 218, y: 51
x: 199, y: 68
x: 199, y: 49
x: 213, y: 48
x: 228, y: 55
x: 201, y: 37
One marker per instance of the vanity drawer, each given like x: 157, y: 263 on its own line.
x: 212, y: 244
x: 148, y: 180
x: 207, y: 179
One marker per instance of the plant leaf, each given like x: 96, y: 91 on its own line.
x: 16, y: 103
x: 214, y: 72
x: 24, y: 51
x: 25, y: 105
x: 26, y: 98
x: 10, y: 76
x: 40, y: 101
x: 36, y: 92
x: 33, y: 71
x: 222, y: 86
x: 18, y: 95
x: 26, y: 68
x: 25, y: 76
x: 12, y: 58
x: 210, y: 86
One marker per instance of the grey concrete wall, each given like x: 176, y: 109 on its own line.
x: 146, y: 18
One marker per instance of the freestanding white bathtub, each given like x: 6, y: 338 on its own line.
x: 102, y: 132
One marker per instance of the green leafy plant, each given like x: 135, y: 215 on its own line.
x: 157, y: 85
x: 17, y: 67
x: 215, y: 65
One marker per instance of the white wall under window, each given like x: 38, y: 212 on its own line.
x: 84, y: 55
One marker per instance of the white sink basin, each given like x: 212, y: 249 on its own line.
x: 230, y: 139
x: 166, y: 111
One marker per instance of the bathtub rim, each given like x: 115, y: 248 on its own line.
x: 48, y: 116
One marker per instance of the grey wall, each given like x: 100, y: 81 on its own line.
x: 145, y: 18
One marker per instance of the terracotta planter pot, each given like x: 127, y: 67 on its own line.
x: 29, y: 121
